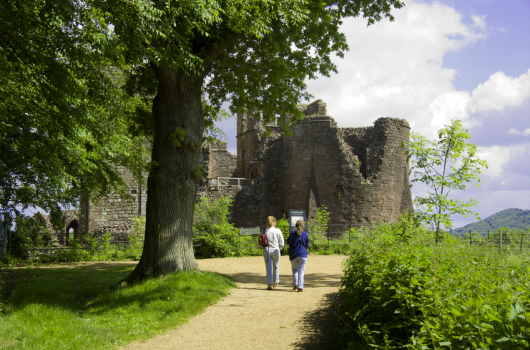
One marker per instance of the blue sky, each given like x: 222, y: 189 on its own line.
x: 437, y: 61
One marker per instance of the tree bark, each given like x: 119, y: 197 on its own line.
x: 172, y: 182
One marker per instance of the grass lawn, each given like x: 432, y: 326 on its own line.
x: 81, y: 307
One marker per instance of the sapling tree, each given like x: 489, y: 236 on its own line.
x: 444, y: 165
x: 320, y: 223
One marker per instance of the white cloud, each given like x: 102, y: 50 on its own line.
x: 496, y: 156
x: 500, y: 91
x: 513, y: 131
x: 395, y: 69
x: 447, y: 106
x: 479, y: 22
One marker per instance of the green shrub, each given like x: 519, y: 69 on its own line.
x: 29, y: 238
x: 283, y: 225
x: 215, y: 236
x: 403, y: 290
x: 318, y: 229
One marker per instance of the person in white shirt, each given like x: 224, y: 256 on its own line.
x: 271, y: 253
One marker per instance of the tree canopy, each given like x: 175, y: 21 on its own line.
x: 255, y: 54
x: 61, y: 109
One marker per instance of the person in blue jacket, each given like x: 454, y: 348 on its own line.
x: 298, y: 243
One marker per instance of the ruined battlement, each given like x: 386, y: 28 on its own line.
x: 316, y: 108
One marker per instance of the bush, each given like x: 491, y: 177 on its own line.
x: 403, y: 290
x: 30, y: 235
x: 215, y: 236
x: 318, y: 229
x: 283, y: 225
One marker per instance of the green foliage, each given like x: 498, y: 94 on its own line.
x: 509, y: 218
x: 283, y: 225
x: 32, y: 242
x: 30, y: 236
x: 61, y: 116
x: 318, y: 228
x: 139, y: 225
x: 72, y: 307
x: 448, y: 164
x: 274, y: 46
x: 405, y: 291
x: 214, y: 235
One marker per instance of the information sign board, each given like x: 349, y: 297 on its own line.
x: 294, y: 216
x: 250, y: 231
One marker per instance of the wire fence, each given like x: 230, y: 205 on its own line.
x: 206, y: 244
x: 323, y: 238
x: 505, y: 240
x: 88, y: 248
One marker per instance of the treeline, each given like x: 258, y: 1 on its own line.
x: 509, y: 218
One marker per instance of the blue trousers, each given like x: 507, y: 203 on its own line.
x: 272, y: 263
x: 298, y: 267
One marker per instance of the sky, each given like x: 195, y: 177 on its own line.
x: 441, y: 60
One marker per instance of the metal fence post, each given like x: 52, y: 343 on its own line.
x: 521, y: 242
x: 500, y: 241
x: 470, y: 239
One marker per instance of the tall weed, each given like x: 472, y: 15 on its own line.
x: 403, y: 290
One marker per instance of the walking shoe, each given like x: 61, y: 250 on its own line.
x: 269, y: 287
x: 300, y: 290
x: 295, y: 287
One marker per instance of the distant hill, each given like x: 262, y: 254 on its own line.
x: 512, y: 218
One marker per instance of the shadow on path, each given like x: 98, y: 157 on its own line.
x: 319, y: 327
x: 311, y: 280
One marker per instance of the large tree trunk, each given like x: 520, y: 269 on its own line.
x: 171, y: 187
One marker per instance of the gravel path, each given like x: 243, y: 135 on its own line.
x: 251, y: 317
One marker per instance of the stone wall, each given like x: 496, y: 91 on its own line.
x: 70, y: 224
x: 117, y: 209
x: 116, y: 214
x: 221, y: 163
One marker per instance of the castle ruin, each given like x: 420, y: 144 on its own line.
x: 359, y: 174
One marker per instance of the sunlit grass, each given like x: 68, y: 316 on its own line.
x: 82, y: 307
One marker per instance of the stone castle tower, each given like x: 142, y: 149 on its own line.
x: 359, y: 174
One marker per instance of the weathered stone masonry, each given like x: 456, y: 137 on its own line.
x: 359, y: 174
x: 115, y: 214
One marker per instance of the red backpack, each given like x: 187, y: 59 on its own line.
x: 263, y: 240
